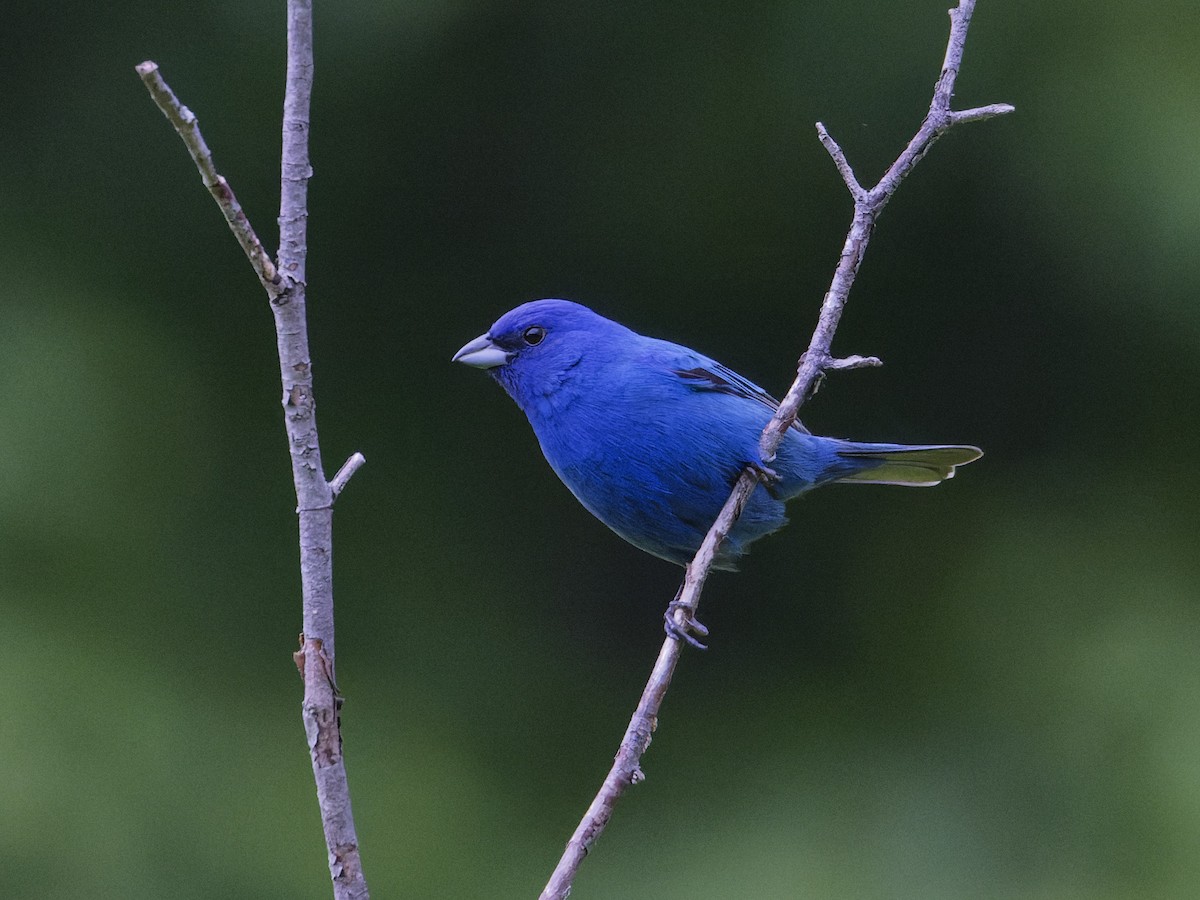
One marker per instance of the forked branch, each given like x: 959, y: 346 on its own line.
x: 284, y: 281
x: 817, y: 359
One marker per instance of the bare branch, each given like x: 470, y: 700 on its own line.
x: 338, y: 483
x: 285, y: 285
x: 980, y: 113
x: 816, y: 359
x: 839, y: 160
x: 294, y: 168
x: 852, y: 362
x: 185, y: 123
x: 314, y: 495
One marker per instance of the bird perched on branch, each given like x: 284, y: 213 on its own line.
x: 651, y: 436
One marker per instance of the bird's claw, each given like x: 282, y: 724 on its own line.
x: 765, y: 473
x: 689, y: 630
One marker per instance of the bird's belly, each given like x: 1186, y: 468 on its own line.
x: 666, y: 510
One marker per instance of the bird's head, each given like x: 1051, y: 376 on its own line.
x: 533, y: 349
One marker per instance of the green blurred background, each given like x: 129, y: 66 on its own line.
x: 987, y: 690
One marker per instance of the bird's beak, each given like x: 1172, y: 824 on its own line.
x: 482, y: 354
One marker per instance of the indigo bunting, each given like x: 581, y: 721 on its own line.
x: 651, y: 436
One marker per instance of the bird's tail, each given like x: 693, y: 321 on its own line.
x: 914, y: 466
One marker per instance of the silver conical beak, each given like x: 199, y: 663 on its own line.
x: 482, y: 354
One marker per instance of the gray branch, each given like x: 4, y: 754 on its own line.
x: 284, y: 282
x: 188, y: 127
x: 868, y: 204
x: 339, y: 481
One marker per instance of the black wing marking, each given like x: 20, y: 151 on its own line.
x: 722, y: 380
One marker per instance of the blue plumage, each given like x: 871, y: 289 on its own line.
x: 651, y: 436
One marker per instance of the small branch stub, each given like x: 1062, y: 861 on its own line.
x: 346, y: 472
x: 848, y: 362
x: 981, y: 113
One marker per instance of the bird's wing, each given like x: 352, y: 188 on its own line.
x: 703, y: 374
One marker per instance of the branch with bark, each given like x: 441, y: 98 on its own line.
x: 284, y: 282
x: 814, y: 362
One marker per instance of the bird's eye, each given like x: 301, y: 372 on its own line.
x: 534, y: 335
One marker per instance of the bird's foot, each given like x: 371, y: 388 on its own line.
x: 767, y: 477
x: 765, y: 473
x: 689, y: 630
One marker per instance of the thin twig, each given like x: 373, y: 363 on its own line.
x: 285, y: 285
x: 843, y: 165
x: 626, y: 768
x: 188, y: 127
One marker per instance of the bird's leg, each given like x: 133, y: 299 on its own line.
x: 690, y: 629
x: 767, y: 476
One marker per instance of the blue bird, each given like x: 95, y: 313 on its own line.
x: 651, y: 436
